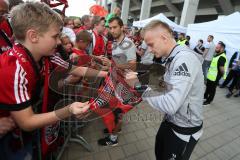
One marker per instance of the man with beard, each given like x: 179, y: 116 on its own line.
x: 124, y: 55
x: 123, y: 49
x: 216, y: 71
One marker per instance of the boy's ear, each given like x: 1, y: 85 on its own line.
x: 32, y: 35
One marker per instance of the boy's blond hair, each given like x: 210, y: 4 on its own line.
x: 33, y: 15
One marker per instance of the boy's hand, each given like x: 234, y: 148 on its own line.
x: 78, y: 108
x: 6, y: 125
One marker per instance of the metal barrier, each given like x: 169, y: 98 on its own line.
x: 71, y: 126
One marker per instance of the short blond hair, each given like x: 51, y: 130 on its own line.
x: 154, y: 24
x: 33, y: 15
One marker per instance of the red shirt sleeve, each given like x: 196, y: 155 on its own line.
x: 17, y: 85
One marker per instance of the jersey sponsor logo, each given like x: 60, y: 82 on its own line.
x: 182, y: 70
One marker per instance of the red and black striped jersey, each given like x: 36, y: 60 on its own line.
x: 20, y: 75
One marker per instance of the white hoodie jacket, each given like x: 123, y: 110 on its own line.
x: 182, y: 105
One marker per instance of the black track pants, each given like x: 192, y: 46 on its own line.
x: 170, y: 147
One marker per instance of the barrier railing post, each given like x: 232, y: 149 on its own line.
x: 70, y: 128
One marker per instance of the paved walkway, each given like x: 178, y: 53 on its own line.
x: 220, y: 141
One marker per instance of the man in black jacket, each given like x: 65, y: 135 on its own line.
x: 234, y: 72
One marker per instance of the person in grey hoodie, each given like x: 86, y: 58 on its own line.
x: 182, y: 125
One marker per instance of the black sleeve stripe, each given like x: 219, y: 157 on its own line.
x: 15, y: 107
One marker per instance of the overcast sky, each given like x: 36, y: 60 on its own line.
x: 77, y: 7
